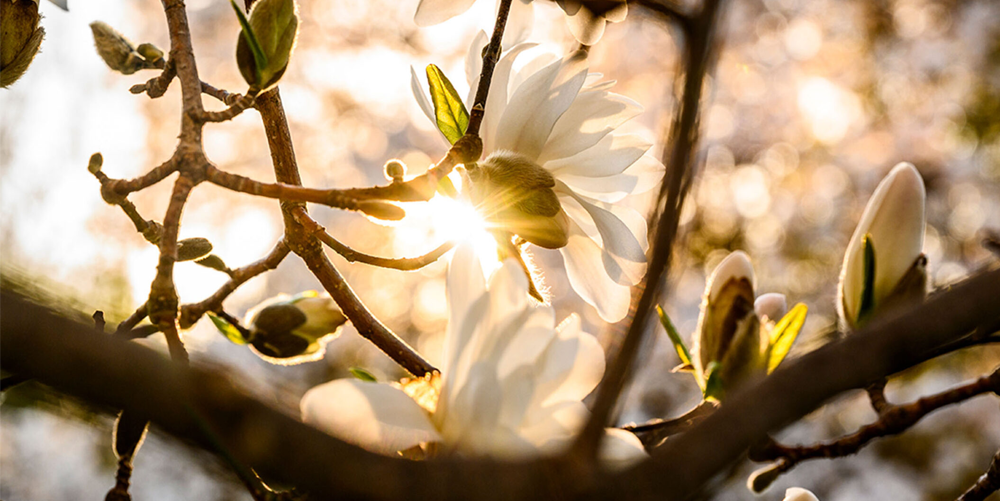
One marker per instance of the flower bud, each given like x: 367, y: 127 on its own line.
x: 395, y: 170
x: 190, y: 249
x: 96, y: 162
x: 729, y: 332
x: 119, y: 54
x: 21, y: 38
x: 275, y: 25
x: 290, y: 330
x: 894, y: 223
x: 517, y: 195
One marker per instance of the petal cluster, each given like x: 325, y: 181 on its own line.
x: 552, y: 113
x: 511, y: 385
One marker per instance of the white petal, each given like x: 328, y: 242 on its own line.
x: 475, y: 409
x: 610, y: 156
x: 620, y: 449
x: 465, y: 286
x: 799, y: 494
x: 536, y: 63
x: 586, y: 273
x: 735, y: 265
x: 496, y: 100
x: 586, y: 28
x: 474, y: 60
x: 552, y: 428
x: 421, y: 93
x: 623, y: 256
x: 375, y: 416
x: 771, y: 305
x: 593, y: 115
x: 537, y: 104
x: 530, y: 342
x: 431, y: 12
x: 895, y: 219
x: 520, y: 21
x: 571, y: 367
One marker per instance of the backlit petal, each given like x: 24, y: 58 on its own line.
x: 377, y: 417
x: 586, y: 273
x: 431, y: 12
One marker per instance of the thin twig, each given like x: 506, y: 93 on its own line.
x: 701, y: 47
x: 893, y: 421
x: 987, y: 484
x: 654, y: 432
x: 227, y: 98
x: 112, y: 190
x: 191, y: 313
x: 234, y: 109
x: 129, y: 323
x: 490, y: 57
x: 157, y: 86
x: 353, y: 256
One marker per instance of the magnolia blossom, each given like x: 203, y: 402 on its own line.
x: 730, y: 331
x: 894, y: 219
x: 799, y: 494
x: 585, y: 24
x: 554, y: 118
x: 511, y: 384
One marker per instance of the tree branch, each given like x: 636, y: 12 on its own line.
x: 986, y: 485
x: 684, y: 137
x: 654, y: 432
x: 893, y: 420
x: 352, y: 256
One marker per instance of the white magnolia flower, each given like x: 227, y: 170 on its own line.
x: 554, y: 118
x: 799, y: 494
x: 895, y: 220
x: 586, y: 25
x: 511, y: 383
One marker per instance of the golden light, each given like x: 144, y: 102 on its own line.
x: 442, y: 219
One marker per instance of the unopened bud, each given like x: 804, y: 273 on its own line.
x: 395, y: 170
x: 382, y: 210
x: 761, y: 479
x: 190, y: 249
x: 275, y: 26
x: 291, y: 330
x: 20, y: 40
x: 516, y: 194
x: 150, y: 52
x: 96, y: 162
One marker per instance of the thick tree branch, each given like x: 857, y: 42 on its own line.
x: 68, y: 355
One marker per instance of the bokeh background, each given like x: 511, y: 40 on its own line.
x: 811, y: 103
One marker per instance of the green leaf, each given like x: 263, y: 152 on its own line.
x: 713, y: 382
x: 362, y: 374
x: 675, y: 338
x: 250, y: 38
x: 227, y: 329
x: 452, y: 117
x: 784, y: 334
x: 868, y: 292
x: 447, y: 188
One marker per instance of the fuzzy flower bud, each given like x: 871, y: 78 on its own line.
x: 517, y: 194
x: 894, y: 222
x: 120, y: 55
x: 290, y: 330
x: 21, y: 38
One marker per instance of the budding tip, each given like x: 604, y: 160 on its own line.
x: 736, y: 265
x: 96, y: 162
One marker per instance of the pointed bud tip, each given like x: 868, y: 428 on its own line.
x: 735, y: 265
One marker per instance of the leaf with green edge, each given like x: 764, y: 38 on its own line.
x: 259, y: 58
x: 783, y: 335
x: 452, y: 117
x: 713, y: 382
x: 227, y: 329
x: 675, y: 337
x: 868, y: 292
x: 362, y: 374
